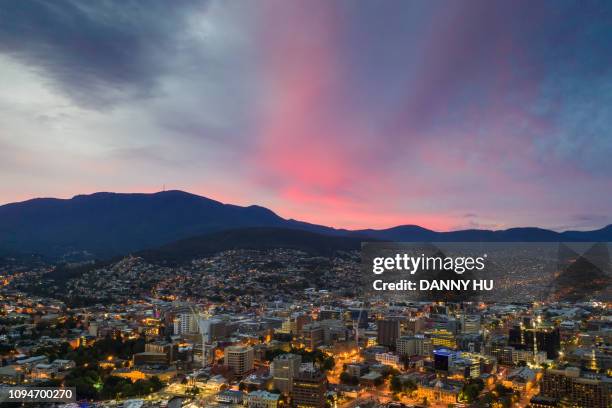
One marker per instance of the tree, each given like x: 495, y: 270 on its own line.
x: 346, y: 378
x: 469, y: 393
x: 409, y: 386
x: 396, y: 384
x: 87, y: 382
x: 193, y: 391
x: 156, y: 383
x: 392, y: 371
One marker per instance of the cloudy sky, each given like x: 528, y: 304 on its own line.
x: 352, y: 114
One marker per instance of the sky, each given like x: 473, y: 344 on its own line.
x: 444, y: 114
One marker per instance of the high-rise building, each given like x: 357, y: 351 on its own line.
x: 388, y: 331
x: 309, y: 388
x: 417, y: 345
x: 283, y: 369
x: 443, y: 338
x: 583, y: 391
x: 185, y: 323
x: 208, y: 353
x: 333, y: 331
x: 406, y: 346
x: 539, y: 338
x: 443, y: 359
x: 239, y: 358
x: 360, y: 316
x: 312, y: 335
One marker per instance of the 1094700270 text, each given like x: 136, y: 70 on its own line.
x: 37, y: 394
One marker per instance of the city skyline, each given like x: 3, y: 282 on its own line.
x: 446, y: 115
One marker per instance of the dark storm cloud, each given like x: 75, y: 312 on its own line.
x: 535, y: 72
x: 96, y: 52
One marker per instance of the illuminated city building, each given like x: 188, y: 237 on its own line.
x: 443, y: 359
x: 309, y: 388
x: 312, y: 335
x: 262, y: 399
x: 388, y: 331
x: 582, y: 390
x: 438, y: 392
x: 283, y: 369
x: 539, y: 338
x: 240, y: 359
x: 390, y: 359
x: 443, y: 338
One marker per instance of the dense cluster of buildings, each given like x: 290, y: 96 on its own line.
x: 281, y: 328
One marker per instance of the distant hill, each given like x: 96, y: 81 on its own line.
x: 260, y: 238
x: 411, y: 233
x: 109, y: 224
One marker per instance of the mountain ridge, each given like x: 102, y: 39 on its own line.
x: 108, y: 224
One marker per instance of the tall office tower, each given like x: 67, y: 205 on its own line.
x: 360, y: 316
x: 309, y: 388
x: 417, y: 345
x: 312, y: 335
x: 407, y: 346
x: 283, y: 369
x: 208, y: 354
x: 219, y: 329
x: 583, y: 391
x: 516, y: 336
x: 176, y: 325
x: 443, y: 338
x: 204, y: 329
x: 540, y: 338
x: 185, y: 323
x: 443, y: 359
x: 548, y: 339
x: 239, y: 358
x: 388, y: 331
x: 334, y: 330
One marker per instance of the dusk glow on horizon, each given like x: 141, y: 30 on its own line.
x: 447, y: 115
